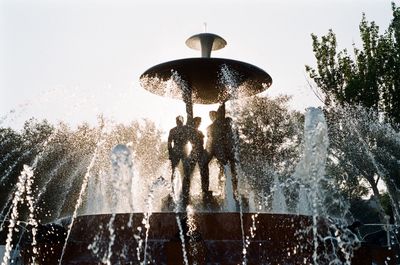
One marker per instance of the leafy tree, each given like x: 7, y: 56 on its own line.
x: 370, y: 77
x: 363, y: 149
x: 62, y: 158
x: 364, y: 141
x: 270, y: 139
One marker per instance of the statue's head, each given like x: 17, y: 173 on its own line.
x: 179, y: 120
x: 213, y: 115
x: 196, y: 122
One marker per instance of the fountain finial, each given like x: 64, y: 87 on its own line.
x: 206, y: 42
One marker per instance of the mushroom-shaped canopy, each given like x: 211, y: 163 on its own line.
x: 210, y: 80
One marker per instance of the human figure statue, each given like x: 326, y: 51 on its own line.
x: 221, y: 143
x: 231, y: 135
x: 216, y: 137
x: 177, y: 140
x: 197, y: 156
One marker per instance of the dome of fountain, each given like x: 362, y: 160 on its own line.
x: 203, y: 77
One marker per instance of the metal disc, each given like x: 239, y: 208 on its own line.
x: 211, y: 80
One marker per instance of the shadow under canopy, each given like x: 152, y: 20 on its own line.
x: 206, y: 80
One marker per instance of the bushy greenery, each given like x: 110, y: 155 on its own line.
x: 362, y: 105
x: 370, y: 77
x: 270, y: 140
x: 60, y: 157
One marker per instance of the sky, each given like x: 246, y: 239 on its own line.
x: 70, y: 60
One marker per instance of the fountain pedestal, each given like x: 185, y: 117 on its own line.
x: 211, y: 238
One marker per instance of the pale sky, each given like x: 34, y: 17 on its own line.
x: 73, y: 59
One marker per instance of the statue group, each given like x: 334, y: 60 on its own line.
x: 220, y: 144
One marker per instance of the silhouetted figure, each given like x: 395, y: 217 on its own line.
x: 197, y: 156
x: 221, y: 143
x: 213, y: 149
x: 231, y: 135
x: 177, y: 140
x: 216, y: 137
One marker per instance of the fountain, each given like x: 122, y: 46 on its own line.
x: 134, y: 230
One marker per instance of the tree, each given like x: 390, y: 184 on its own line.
x: 63, y: 156
x: 363, y: 149
x: 370, y: 78
x: 270, y: 139
x: 364, y: 140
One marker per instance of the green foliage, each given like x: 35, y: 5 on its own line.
x: 363, y: 152
x: 62, y: 158
x: 270, y: 138
x: 363, y: 140
x: 386, y: 203
x: 362, y: 210
x: 370, y: 77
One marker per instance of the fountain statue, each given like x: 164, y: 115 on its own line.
x: 163, y: 223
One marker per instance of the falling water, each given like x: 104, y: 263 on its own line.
x: 31, y: 205
x: 309, y: 175
x: 155, y: 188
x: 252, y: 234
x: 176, y: 189
x: 364, y: 127
x: 303, y: 205
x: 311, y: 168
x: 191, y: 233
x: 8, y: 155
x: 182, y: 238
x: 252, y: 202
x: 123, y: 178
x: 229, y: 79
x: 68, y: 187
x: 278, y: 198
x: 176, y: 193
x: 5, y: 176
x: 107, y: 257
x: 24, y: 187
x: 122, y: 164
x: 7, y: 207
x: 82, y: 191
x: 158, y: 183
x: 51, y: 176
x: 229, y: 201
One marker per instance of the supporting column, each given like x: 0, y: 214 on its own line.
x: 187, y: 98
x: 221, y: 110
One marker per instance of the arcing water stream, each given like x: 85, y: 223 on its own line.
x: 113, y: 186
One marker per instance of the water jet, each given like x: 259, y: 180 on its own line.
x: 226, y: 234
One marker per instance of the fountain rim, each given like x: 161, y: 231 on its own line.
x: 204, y: 59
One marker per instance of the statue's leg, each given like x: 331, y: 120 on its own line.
x: 220, y: 176
x: 234, y: 179
x: 174, y: 164
x: 188, y: 167
x: 204, y: 173
x: 220, y: 156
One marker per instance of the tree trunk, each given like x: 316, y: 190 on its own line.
x: 381, y: 211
